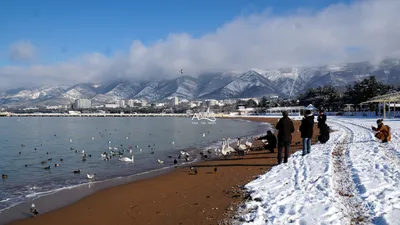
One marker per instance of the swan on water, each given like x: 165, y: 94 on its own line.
x: 126, y: 159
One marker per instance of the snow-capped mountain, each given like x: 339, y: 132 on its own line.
x: 254, y: 83
x: 250, y: 84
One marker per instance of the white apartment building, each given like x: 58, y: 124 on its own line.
x: 83, y: 103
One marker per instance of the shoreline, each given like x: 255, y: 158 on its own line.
x: 221, y: 189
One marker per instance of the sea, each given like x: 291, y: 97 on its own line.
x: 28, y: 142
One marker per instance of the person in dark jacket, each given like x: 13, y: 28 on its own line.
x: 306, y: 129
x: 285, y: 129
x: 323, y: 127
x: 271, y: 141
x: 321, y: 119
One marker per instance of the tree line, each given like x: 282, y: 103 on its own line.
x: 332, y: 99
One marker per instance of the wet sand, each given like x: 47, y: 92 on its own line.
x: 179, y: 197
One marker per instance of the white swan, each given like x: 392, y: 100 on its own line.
x: 126, y: 159
x: 248, y: 143
x: 90, y: 176
x: 241, y: 146
x: 228, y: 148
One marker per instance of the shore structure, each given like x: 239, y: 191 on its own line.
x: 180, y: 197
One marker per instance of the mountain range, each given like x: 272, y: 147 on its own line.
x: 284, y: 82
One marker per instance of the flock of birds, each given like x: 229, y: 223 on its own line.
x: 224, y: 150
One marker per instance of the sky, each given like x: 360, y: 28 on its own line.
x: 47, y: 42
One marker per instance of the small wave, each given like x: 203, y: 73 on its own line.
x: 6, y: 200
x: 44, y: 193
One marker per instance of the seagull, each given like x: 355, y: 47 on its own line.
x: 160, y: 161
x: 181, y: 71
x: 34, y: 210
x: 204, y: 134
x: 175, y: 162
x: 173, y: 142
x: 193, y: 169
x: 90, y: 176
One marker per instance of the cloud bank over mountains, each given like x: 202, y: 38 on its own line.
x: 364, y: 30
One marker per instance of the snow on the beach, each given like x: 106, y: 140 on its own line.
x: 352, y: 179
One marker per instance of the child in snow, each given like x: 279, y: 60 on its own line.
x: 383, y: 131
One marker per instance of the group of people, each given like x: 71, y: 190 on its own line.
x: 285, y: 129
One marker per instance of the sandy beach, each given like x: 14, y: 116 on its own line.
x: 179, y: 197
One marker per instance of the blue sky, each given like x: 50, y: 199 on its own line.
x: 63, y: 30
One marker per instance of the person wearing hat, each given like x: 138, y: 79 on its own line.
x: 383, y: 131
x: 285, y: 129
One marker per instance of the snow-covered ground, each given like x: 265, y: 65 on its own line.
x: 352, y: 179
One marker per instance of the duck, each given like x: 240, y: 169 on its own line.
x: 126, y: 159
x: 47, y: 168
x: 56, y: 165
x: 77, y: 171
x: 4, y: 176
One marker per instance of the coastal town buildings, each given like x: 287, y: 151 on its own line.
x: 83, y: 103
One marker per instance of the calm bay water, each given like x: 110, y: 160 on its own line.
x: 54, y: 137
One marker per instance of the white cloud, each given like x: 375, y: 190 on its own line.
x: 22, y: 51
x: 256, y: 41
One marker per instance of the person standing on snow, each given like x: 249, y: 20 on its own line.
x: 307, y: 129
x: 285, y: 129
x: 323, y: 127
